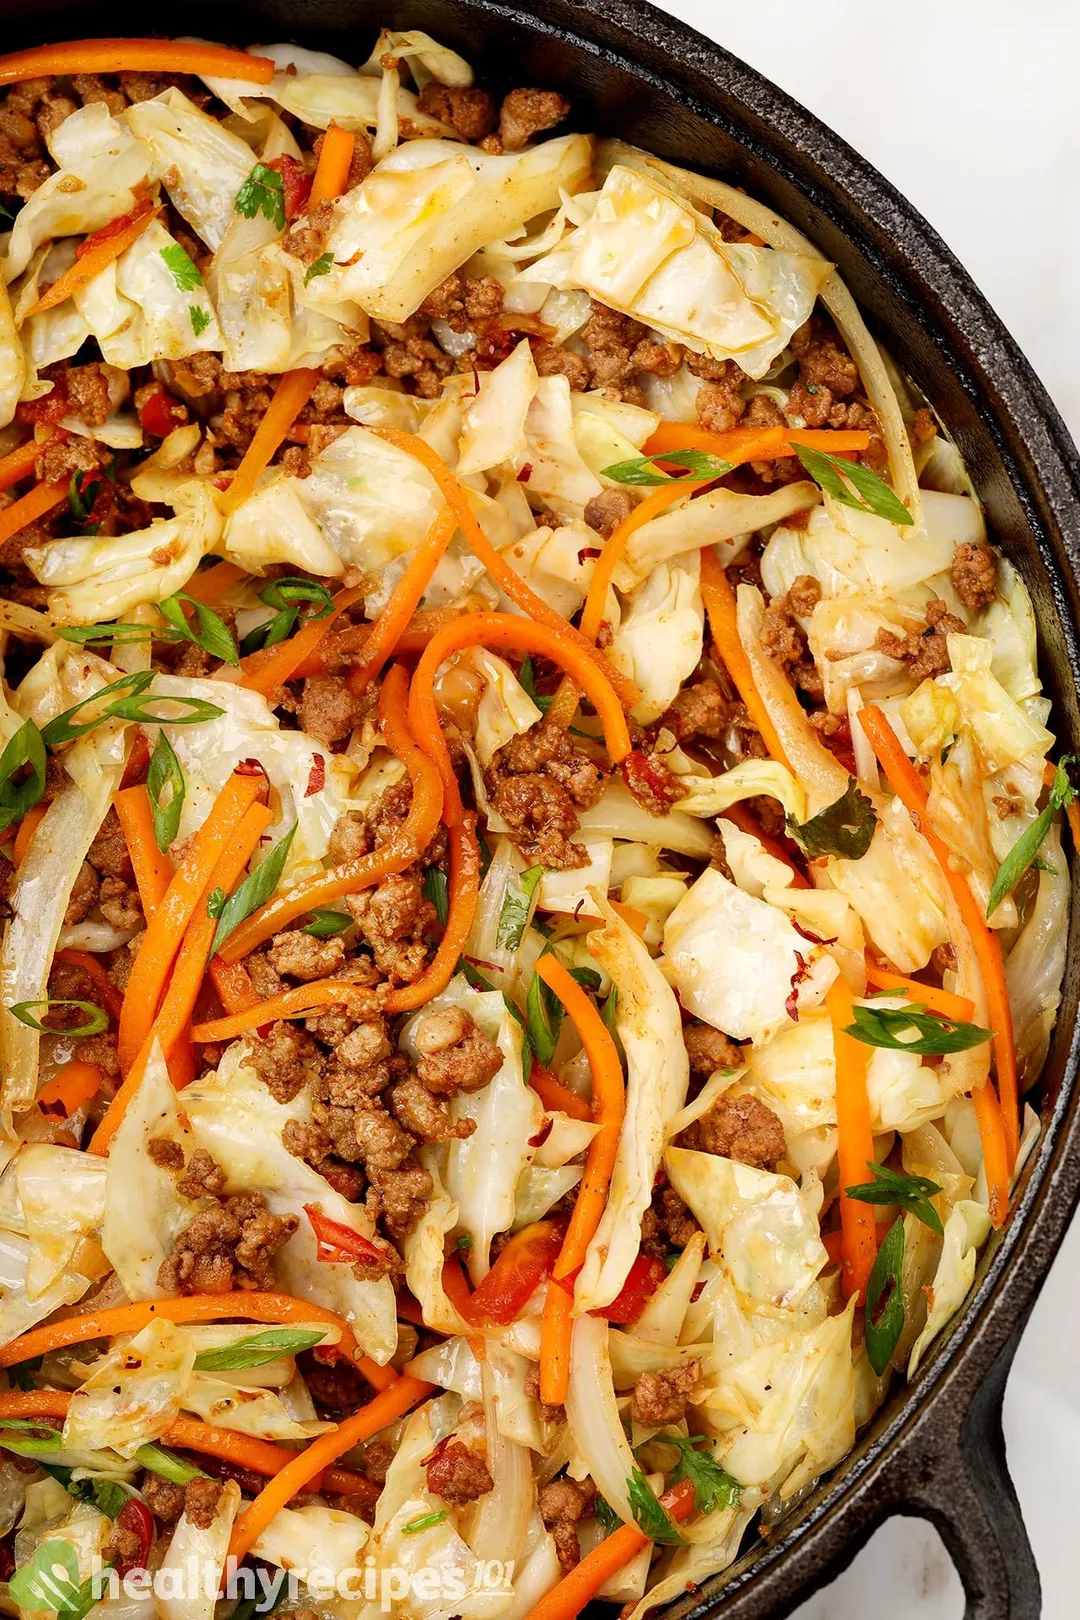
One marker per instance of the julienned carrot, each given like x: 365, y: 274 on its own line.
x: 292, y: 393
x: 720, y: 606
x: 555, y: 1096
x: 111, y: 997
x: 580, y: 1585
x: 959, y: 1008
x: 165, y: 930
x: 609, y: 1101
x: 295, y: 1003
x: 523, y: 635
x: 153, y: 870
x: 855, y: 1141
x: 403, y: 602
x: 187, y: 975
x: 255, y: 1307
x: 265, y: 670
x: 69, y: 1088
x: 464, y: 889
x: 261, y: 1456
x: 392, y: 1403
x: 399, y: 851
x: 28, y: 508
x: 767, y: 444
x: 19, y: 464
x: 747, y: 822
x: 233, y: 984
x: 210, y: 584
x: 908, y: 787
x: 101, y: 250
x: 332, y: 169
x: 512, y: 585
x: 28, y: 826
x: 134, y: 56
x: 634, y: 919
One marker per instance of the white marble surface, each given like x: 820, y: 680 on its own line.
x: 970, y: 107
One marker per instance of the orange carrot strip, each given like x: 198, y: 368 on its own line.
x: 19, y: 464
x: 464, y: 888
x: 855, y: 1141
x: 719, y: 601
x: 28, y: 508
x: 165, y: 930
x: 580, y: 1585
x: 403, y: 602
x: 999, y: 1150
x: 395, y: 855
x: 95, y: 970
x: 233, y: 984
x: 265, y: 670
x: 28, y: 826
x: 153, y: 870
x: 513, y: 586
x: 731, y: 446
x: 69, y: 1088
x: 609, y: 1101
x: 292, y: 393
x: 261, y: 1456
x: 294, y: 1003
x: 135, y: 56
x: 332, y: 169
x: 633, y: 918
x: 959, y: 1008
x: 254, y: 1306
x: 102, y: 249
x: 523, y: 635
x: 187, y: 975
x: 210, y: 584
x: 555, y: 1096
x: 392, y: 1403
x: 747, y: 822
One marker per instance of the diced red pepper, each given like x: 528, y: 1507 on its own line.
x: 642, y: 1280
x: 136, y: 1518
x: 49, y: 409
x: 295, y: 184
x: 159, y: 413
x: 338, y: 1242
x: 517, y: 1273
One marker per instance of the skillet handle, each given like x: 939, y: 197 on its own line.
x: 956, y: 1476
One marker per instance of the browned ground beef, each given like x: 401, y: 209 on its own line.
x: 660, y: 1398
x: 458, y: 1474
x: 925, y: 651
x: 740, y: 1128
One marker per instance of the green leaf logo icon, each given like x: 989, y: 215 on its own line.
x: 50, y: 1580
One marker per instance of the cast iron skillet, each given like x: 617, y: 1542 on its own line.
x: 936, y: 1449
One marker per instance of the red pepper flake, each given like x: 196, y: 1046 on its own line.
x: 249, y: 767
x: 586, y: 552
x: 802, y: 972
x: 543, y: 1133
x: 525, y: 474
x: 316, y: 776
x: 815, y: 939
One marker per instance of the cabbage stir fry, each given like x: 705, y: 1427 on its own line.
x: 533, y: 886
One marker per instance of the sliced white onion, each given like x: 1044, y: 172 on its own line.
x: 502, y: 1517
x: 593, y: 1414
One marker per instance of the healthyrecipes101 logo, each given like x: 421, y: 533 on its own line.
x: 51, y: 1583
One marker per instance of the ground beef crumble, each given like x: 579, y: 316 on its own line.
x: 458, y: 1474
x: 537, y: 782
x: 742, y: 1128
x: 974, y: 573
x: 660, y: 1398
x: 926, y: 651
x: 563, y: 1502
x: 230, y: 1243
